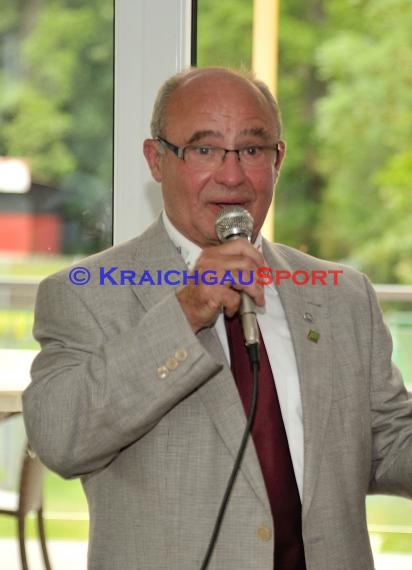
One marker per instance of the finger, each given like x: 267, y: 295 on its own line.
x: 239, y: 247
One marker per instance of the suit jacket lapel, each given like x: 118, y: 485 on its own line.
x: 155, y: 254
x: 306, y: 309
x: 222, y: 401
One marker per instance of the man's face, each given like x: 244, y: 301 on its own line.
x: 218, y: 110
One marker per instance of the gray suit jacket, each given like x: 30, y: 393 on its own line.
x: 154, y: 448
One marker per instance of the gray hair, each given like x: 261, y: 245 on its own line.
x: 158, y: 122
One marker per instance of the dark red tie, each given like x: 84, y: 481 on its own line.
x: 272, y: 449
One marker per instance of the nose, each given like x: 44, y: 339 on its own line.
x: 230, y: 171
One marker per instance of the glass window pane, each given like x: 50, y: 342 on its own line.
x: 221, y: 43
x: 56, y: 163
x: 56, y: 133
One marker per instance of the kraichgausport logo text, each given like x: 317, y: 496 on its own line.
x: 263, y: 276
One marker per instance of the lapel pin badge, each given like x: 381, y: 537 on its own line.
x: 313, y: 335
x: 308, y: 317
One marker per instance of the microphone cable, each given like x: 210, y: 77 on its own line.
x: 253, y: 350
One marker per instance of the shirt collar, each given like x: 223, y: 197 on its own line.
x: 187, y: 249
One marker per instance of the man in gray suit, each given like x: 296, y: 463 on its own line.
x: 132, y: 390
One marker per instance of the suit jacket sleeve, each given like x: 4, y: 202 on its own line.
x: 95, y: 384
x: 391, y: 414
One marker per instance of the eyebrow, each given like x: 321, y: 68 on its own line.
x: 257, y: 132
x: 199, y: 135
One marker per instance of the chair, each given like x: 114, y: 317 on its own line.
x: 29, y: 498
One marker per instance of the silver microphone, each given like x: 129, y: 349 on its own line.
x: 234, y: 222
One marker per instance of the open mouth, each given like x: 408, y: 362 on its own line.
x: 222, y: 205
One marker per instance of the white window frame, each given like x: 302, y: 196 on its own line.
x: 152, y: 41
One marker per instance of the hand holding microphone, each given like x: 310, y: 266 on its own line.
x: 202, y: 302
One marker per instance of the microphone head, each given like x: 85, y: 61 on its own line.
x: 234, y: 222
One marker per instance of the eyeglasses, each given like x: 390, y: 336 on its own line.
x: 209, y: 156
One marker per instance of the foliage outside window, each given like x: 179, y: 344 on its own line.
x: 345, y: 72
x: 56, y: 81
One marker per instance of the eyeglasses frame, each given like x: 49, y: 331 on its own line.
x: 179, y: 151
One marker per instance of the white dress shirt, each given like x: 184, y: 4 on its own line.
x: 275, y: 331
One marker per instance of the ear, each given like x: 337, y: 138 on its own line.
x: 280, y: 155
x: 153, y: 157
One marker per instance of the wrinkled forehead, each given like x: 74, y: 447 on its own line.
x: 218, y: 94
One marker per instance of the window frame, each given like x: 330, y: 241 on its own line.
x: 141, y: 36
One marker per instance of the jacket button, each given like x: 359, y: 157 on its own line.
x: 264, y: 532
x: 162, y: 372
x: 172, y: 363
x: 181, y: 354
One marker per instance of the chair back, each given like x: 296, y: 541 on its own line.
x: 31, y: 483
